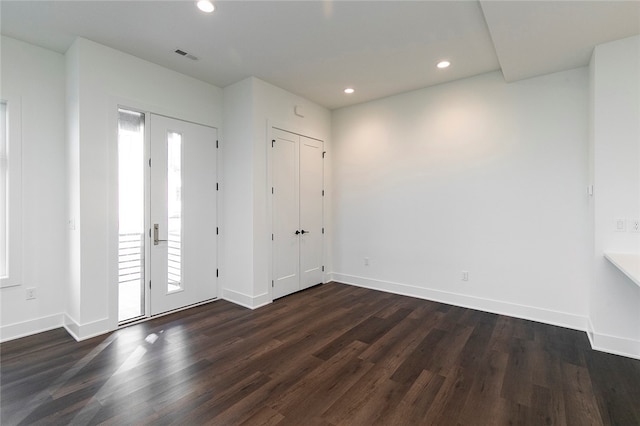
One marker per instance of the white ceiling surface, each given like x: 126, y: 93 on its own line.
x: 534, y: 38
x: 317, y: 48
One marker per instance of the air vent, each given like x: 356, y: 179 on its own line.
x: 186, y: 54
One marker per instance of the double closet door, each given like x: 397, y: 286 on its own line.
x: 297, y: 173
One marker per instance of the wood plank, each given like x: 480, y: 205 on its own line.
x: 616, y: 386
x: 580, y: 402
x: 479, y: 409
x: 416, y: 402
x: 333, y: 354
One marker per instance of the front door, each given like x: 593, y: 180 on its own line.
x: 183, y: 243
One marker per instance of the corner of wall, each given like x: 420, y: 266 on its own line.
x: 85, y: 331
x: 251, y: 302
x: 613, y: 344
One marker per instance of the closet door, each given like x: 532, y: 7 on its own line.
x: 311, y: 198
x: 297, y: 173
x: 286, y: 217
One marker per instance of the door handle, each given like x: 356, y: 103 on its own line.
x: 156, y: 241
x: 305, y: 232
x: 297, y: 232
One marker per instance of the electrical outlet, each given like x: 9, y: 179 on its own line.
x: 31, y: 293
x: 620, y: 225
x: 465, y: 275
x: 366, y: 261
x: 634, y: 225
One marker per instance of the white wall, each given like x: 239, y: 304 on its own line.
x: 252, y: 106
x: 236, y: 194
x: 476, y: 175
x: 36, y: 77
x: 105, y: 78
x: 615, y: 144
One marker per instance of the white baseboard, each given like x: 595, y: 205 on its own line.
x: 599, y: 341
x: 251, y: 302
x: 532, y: 313
x: 613, y: 344
x: 30, y: 327
x: 85, y: 331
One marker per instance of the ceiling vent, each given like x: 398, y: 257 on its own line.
x: 186, y: 54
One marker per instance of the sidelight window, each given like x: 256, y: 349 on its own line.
x: 131, y: 247
x: 4, y: 191
x: 10, y: 194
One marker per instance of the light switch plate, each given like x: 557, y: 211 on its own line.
x: 620, y: 225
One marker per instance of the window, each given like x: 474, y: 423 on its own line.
x: 10, y: 194
x: 174, y: 208
x: 4, y: 186
x: 131, y: 297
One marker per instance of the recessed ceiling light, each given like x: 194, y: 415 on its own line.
x: 349, y: 90
x: 205, y: 6
x: 443, y: 64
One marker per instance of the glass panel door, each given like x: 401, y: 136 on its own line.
x: 182, y: 214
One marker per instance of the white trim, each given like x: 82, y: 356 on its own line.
x: 532, y: 313
x: 613, y: 344
x: 14, y: 191
x: 269, y: 198
x: 86, y: 331
x: 251, y: 302
x: 72, y: 327
x: 163, y: 314
x: 30, y: 327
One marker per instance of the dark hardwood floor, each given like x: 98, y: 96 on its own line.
x: 331, y: 355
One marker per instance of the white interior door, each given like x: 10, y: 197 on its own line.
x: 286, y: 220
x: 297, y: 173
x: 311, y: 198
x: 183, y: 242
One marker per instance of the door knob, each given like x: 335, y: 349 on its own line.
x: 297, y: 232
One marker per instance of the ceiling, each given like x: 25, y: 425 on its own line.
x: 317, y: 48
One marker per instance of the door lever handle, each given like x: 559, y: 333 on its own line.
x: 297, y: 232
x: 156, y: 241
x: 305, y: 232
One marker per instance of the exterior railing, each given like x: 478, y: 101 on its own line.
x: 174, y: 259
x: 131, y: 258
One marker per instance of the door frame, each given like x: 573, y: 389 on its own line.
x: 115, y: 102
x: 271, y: 125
